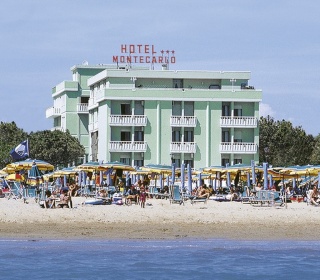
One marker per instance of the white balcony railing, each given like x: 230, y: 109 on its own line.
x: 82, y: 108
x: 227, y: 121
x: 53, y: 112
x: 238, y: 148
x: 60, y: 128
x: 128, y: 120
x: 183, y: 121
x: 183, y: 147
x: 93, y: 126
x: 127, y: 146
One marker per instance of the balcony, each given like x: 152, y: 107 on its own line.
x: 82, y: 108
x: 183, y: 147
x: 183, y: 121
x: 127, y: 146
x: 60, y: 128
x: 227, y: 121
x: 238, y: 148
x: 128, y: 120
x: 53, y: 112
x: 93, y: 126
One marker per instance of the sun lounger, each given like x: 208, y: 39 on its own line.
x: 266, y: 198
x: 199, y: 199
x: 176, y: 196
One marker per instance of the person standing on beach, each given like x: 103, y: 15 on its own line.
x: 143, y: 196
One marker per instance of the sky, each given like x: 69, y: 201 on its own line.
x: 276, y: 40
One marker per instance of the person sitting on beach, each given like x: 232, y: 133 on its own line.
x: 50, y: 201
x: 64, y: 200
x: 233, y: 193
x: 259, y: 187
x: 102, y: 193
x: 132, y: 194
x: 202, y: 192
x: 314, y: 196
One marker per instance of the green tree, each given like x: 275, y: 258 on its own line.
x: 315, y: 156
x: 281, y: 144
x: 56, y: 147
x: 10, y: 137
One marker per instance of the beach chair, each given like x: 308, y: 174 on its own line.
x: 153, y: 192
x: 176, y: 196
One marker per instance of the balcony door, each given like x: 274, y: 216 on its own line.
x: 125, y: 109
x: 176, y: 135
x: 125, y: 136
x: 188, y: 136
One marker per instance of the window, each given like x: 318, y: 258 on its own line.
x: 190, y: 162
x: 189, y: 108
x: 138, y: 136
x: 139, y: 107
x: 176, y: 108
x: 176, y: 135
x: 176, y: 161
x: 237, y: 136
x: 177, y: 83
x: 225, y: 110
x: 188, y: 136
x: 237, y: 112
x: 84, y: 100
x: 138, y: 162
x: 225, y: 136
x: 224, y: 161
x: 125, y: 161
x: 237, y: 161
x: 125, y: 109
x: 125, y: 136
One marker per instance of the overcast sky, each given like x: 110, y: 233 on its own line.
x: 277, y: 40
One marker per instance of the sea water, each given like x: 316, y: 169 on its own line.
x: 159, y: 259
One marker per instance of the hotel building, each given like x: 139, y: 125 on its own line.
x: 139, y: 116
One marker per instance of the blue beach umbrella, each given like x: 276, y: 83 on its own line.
x: 228, y: 177
x: 189, y: 173
x: 161, y: 183
x: 35, y: 176
x: 200, y: 179
x: 248, y: 179
x: 253, y: 172
x: 173, y: 176
x: 265, y: 175
x: 64, y: 180
x: 182, y: 176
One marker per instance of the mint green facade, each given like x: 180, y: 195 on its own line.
x: 139, y: 116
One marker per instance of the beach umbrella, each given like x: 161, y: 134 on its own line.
x: 15, y: 177
x: 265, y: 175
x: 189, y: 174
x: 173, y: 176
x: 28, y: 163
x: 3, y: 173
x: 117, y: 165
x: 182, y: 176
x: 253, y: 172
x: 35, y: 175
x: 91, y: 166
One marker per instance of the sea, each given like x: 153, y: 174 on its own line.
x: 159, y: 259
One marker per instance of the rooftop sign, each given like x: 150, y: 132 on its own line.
x: 143, y: 54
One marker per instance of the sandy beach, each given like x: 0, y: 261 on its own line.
x: 159, y: 220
